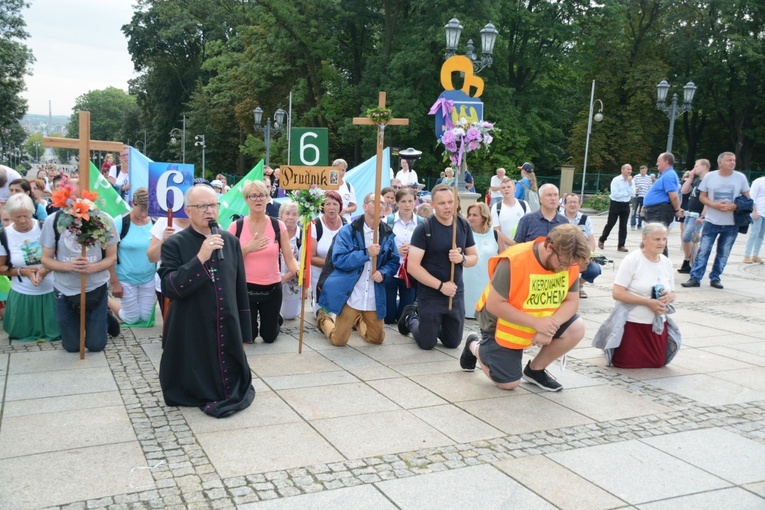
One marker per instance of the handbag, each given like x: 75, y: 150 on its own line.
x: 403, y: 273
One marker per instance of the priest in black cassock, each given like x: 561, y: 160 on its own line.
x: 203, y: 361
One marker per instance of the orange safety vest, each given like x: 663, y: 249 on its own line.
x: 533, y: 290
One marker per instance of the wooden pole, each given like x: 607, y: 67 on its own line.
x: 305, y: 259
x: 463, y: 167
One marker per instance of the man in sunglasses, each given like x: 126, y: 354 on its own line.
x: 531, y: 301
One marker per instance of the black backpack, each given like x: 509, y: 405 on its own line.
x: 523, y: 206
x: 4, y: 243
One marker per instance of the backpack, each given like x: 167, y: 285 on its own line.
x: 523, y: 206
x: 126, y: 225
x: 582, y: 220
x: 530, y: 196
x: 4, y: 243
x: 320, y: 228
x: 274, y: 224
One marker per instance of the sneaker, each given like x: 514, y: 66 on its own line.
x: 468, y: 359
x: 757, y: 260
x: 405, y: 313
x: 693, y: 282
x: 747, y: 260
x: 113, y: 324
x: 541, y: 378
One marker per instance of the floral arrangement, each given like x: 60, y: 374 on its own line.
x: 380, y: 115
x: 81, y: 217
x: 464, y: 137
x: 309, y: 201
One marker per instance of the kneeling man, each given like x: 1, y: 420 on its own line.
x: 349, y: 288
x: 531, y: 300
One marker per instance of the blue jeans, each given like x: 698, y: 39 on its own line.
x: 593, y: 271
x: 726, y: 236
x: 637, y: 207
x: 691, y: 227
x: 756, y: 233
x: 393, y: 287
x: 95, y: 321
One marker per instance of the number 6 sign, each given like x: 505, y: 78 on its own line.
x: 168, y: 183
x: 310, y: 146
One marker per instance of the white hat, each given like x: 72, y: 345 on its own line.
x: 217, y: 184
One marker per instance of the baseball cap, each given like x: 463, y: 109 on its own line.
x: 217, y: 184
x: 202, y: 180
x: 414, y: 185
x: 526, y: 166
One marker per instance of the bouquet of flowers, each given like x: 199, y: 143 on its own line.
x: 81, y: 217
x: 380, y: 116
x: 309, y: 201
x: 464, y: 137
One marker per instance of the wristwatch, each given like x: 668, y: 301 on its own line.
x: 463, y: 259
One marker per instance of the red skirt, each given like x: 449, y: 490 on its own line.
x: 641, y: 347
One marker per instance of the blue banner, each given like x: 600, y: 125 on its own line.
x: 168, y: 183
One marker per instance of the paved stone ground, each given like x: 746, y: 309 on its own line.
x: 689, y: 435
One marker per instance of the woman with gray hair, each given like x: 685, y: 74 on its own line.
x: 134, y: 283
x: 31, y: 309
x: 638, y: 333
x: 291, y: 294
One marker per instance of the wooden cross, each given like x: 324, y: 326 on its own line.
x: 85, y: 145
x: 366, y: 121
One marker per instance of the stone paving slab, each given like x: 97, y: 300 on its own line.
x: 392, y: 426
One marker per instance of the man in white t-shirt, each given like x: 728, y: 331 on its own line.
x: 347, y: 193
x: 718, y: 192
x: 406, y: 175
x: 506, y: 214
x: 494, y: 185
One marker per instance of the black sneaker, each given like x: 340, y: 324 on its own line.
x: 405, y: 313
x: 468, y: 359
x: 541, y: 378
x: 113, y: 324
x: 693, y: 282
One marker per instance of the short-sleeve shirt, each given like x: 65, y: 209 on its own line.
x: 639, y: 276
x: 720, y: 188
x: 68, y: 283
x: 158, y: 231
x: 436, y: 258
x: 262, y: 267
x: 534, y: 225
x: 348, y: 195
x: 659, y: 193
x: 586, y: 228
x: 508, y: 218
x: 26, y: 251
x: 133, y: 266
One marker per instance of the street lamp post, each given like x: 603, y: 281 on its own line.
x: 173, y: 138
x: 673, y: 111
x: 268, y: 130
x: 143, y: 146
x: 199, y: 140
x: 597, y: 117
x: 488, y: 38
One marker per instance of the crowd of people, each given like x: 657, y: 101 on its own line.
x: 515, y: 267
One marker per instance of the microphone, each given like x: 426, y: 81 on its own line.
x: 214, y: 230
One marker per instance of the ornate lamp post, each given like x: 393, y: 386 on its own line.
x: 673, y: 111
x: 268, y: 130
x: 488, y: 38
x: 199, y: 140
x: 597, y: 117
x: 174, y: 133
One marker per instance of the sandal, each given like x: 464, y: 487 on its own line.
x: 582, y: 294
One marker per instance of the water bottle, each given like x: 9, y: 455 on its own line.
x: 658, y: 289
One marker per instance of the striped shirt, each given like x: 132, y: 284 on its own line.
x: 642, y: 184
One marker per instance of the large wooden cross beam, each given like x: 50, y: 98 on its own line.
x: 365, y: 121
x: 85, y: 145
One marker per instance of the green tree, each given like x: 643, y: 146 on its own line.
x: 15, y: 61
x: 112, y: 115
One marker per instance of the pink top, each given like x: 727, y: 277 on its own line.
x: 261, y: 267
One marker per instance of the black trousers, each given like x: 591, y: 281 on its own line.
x: 620, y: 211
x: 266, y: 302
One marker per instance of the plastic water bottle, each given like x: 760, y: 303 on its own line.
x: 658, y: 289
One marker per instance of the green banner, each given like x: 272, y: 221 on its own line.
x: 108, y: 200
x: 233, y: 202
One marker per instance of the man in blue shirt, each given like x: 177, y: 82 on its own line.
x: 622, y: 193
x: 662, y: 201
x: 540, y: 222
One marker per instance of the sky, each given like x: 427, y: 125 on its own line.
x: 78, y: 46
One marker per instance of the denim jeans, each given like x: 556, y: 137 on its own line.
x: 397, y: 287
x: 593, y: 271
x: 756, y: 233
x: 691, y: 227
x: 69, y: 322
x: 726, y: 236
x: 637, y: 207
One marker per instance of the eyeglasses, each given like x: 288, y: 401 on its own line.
x: 205, y: 207
x: 396, y: 187
x: 256, y: 197
x: 561, y: 264
x: 369, y: 202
